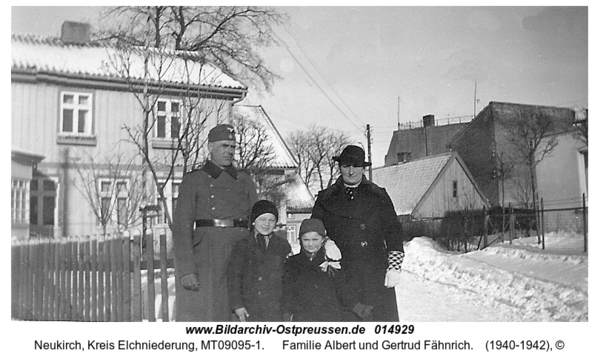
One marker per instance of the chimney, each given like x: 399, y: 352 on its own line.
x: 428, y: 120
x: 75, y: 32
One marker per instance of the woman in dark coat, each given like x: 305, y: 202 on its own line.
x: 256, y: 269
x: 360, y: 217
x: 313, y: 281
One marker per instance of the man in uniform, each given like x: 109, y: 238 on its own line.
x: 360, y: 217
x: 212, y: 213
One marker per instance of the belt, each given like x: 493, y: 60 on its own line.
x: 221, y: 223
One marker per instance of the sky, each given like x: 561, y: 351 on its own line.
x: 352, y: 66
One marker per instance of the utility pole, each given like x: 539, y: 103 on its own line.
x: 369, y: 151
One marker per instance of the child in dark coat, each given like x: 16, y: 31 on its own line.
x: 313, y: 283
x: 254, y: 278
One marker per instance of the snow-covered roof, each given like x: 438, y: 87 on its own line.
x: 407, y: 183
x: 298, y: 197
x: 283, y: 157
x: 49, y: 54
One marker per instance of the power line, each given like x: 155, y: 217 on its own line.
x: 289, y: 31
x: 314, y: 81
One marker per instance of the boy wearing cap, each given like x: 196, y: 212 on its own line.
x: 256, y: 268
x: 313, y: 283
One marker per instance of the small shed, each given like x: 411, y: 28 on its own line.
x: 430, y: 186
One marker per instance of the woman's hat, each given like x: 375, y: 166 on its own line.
x: 353, y: 156
x: 262, y: 207
x: 312, y: 225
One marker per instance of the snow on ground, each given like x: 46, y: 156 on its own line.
x: 519, y: 280
x: 507, y: 282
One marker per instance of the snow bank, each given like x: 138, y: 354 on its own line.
x: 543, y: 286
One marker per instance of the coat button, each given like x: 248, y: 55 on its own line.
x: 363, y: 243
x: 362, y: 226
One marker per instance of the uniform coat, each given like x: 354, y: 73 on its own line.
x: 365, y: 229
x: 255, y: 277
x: 208, y: 193
x: 309, y: 293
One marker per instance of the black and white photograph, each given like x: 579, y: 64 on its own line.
x: 252, y: 169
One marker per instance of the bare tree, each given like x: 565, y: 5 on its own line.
x: 520, y: 190
x: 314, y: 150
x: 167, y: 56
x: 300, y: 143
x: 169, y: 136
x: 226, y: 36
x: 112, y: 187
x: 503, y: 171
x: 532, y: 134
x: 254, y: 148
x: 256, y: 154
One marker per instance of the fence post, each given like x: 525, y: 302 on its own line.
x: 94, y: 278
x: 126, y: 242
x: 542, y: 224
x: 150, y: 275
x: 136, y: 290
x: 47, y: 283
x: 585, y: 231
x: 101, y: 277
x: 164, y: 285
x: 511, y: 223
x: 486, y: 218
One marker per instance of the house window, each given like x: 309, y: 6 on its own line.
x: 455, y: 189
x: 76, y: 114
x: 114, y: 200
x: 19, y: 201
x: 404, y: 157
x: 168, y: 119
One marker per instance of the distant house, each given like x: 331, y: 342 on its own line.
x: 283, y: 167
x: 424, y: 138
x: 69, y: 105
x: 430, y: 186
x: 562, y: 179
x: 484, y: 147
x: 296, y: 200
x: 23, y: 165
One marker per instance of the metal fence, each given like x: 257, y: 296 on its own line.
x: 467, y: 231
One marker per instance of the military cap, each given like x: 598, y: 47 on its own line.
x: 221, y: 132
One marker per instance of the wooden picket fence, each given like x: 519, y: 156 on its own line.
x: 92, y: 278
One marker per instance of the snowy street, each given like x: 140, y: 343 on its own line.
x: 515, y: 282
x: 422, y: 300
